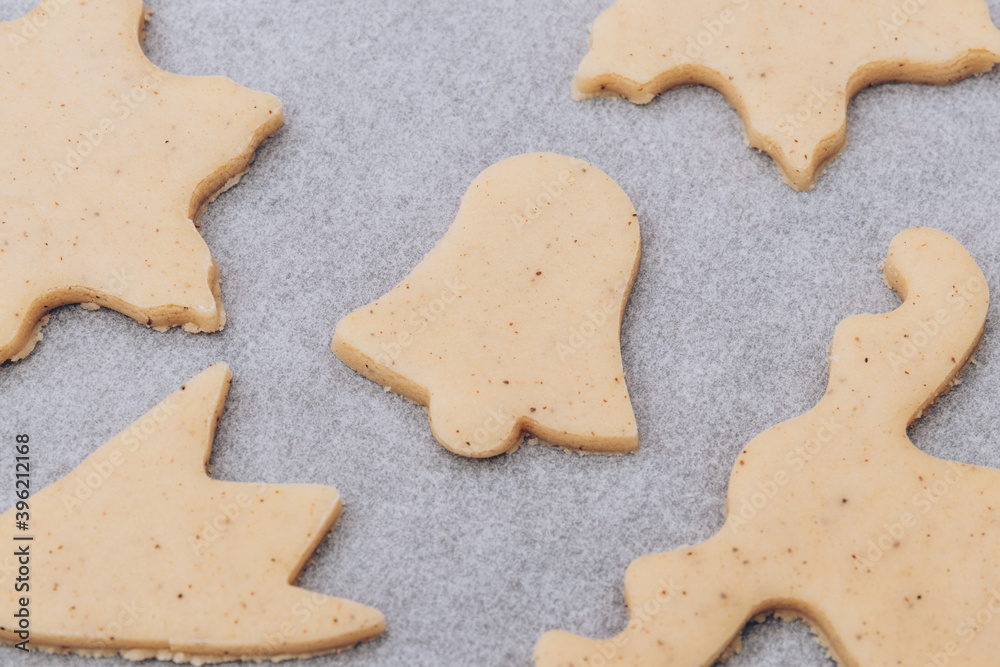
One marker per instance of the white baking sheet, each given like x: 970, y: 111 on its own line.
x: 392, y: 109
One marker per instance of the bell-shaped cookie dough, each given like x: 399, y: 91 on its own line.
x: 789, y: 68
x: 107, y: 163
x: 891, y: 555
x: 511, y: 323
x: 138, y: 552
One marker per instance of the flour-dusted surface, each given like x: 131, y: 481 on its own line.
x: 392, y: 110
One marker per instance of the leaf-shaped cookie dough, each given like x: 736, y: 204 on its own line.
x: 107, y: 162
x: 138, y: 552
x: 789, y: 68
x: 891, y: 555
x: 511, y: 323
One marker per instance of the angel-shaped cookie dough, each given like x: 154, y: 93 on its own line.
x: 789, y: 68
x: 138, y: 552
x: 107, y: 164
x: 891, y: 555
x: 511, y: 323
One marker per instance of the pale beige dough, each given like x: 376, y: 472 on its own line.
x: 511, y: 323
x: 789, y: 68
x: 107, y: 164
x: 886, y: 551
x: 137, y: 552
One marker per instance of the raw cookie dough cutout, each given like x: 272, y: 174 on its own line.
x: 790, y: 69
x: 138, y: 552
x: 511, y: 323
x: 888, y: 553
x: 108, y: 163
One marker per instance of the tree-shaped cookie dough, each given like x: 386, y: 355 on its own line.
x: 138, y: 552
x: 511, y: 323
x: 107, y: 163
x: 891, y: 555
x: 789, y: 68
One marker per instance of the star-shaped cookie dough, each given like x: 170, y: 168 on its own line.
x: 138, y: 552
x: 891, y: 555
x: 105, y: 167
x: 789, y: 68
x: 511, y: 323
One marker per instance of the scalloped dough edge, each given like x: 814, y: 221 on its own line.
x: 787, y: 616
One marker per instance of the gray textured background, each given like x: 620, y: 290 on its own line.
x: 392, y: 109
